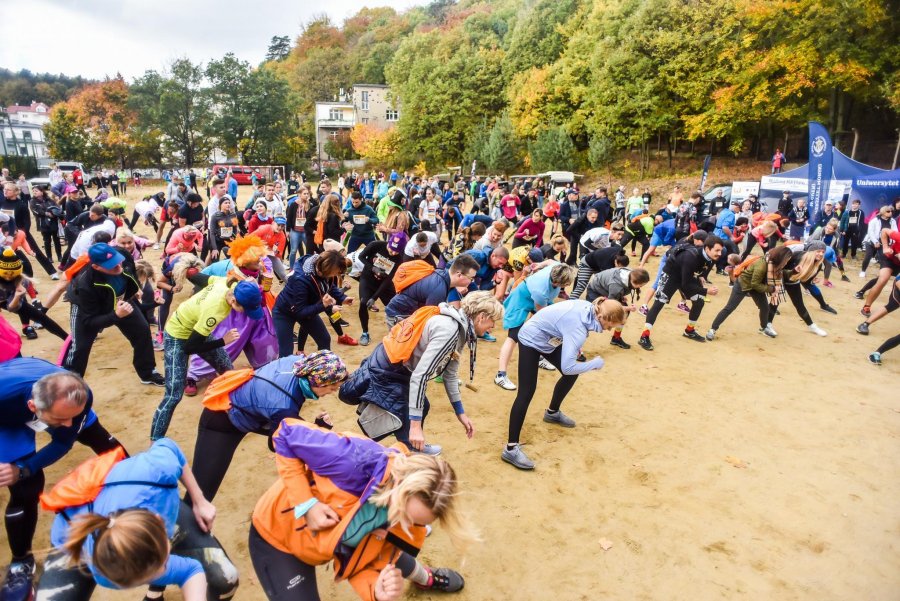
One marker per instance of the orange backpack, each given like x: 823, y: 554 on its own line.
x: 84, y: 483
x: 411, y: 272
x: 403, y: 337
x: 216, y: 397
x: 745, y: 264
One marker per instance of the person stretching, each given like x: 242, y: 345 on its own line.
x: 557, y: 333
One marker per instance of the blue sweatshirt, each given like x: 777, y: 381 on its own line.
x: 156, y: 473
x: 431, y: 290
x: 568, y: 324
x: 17, y: 438
x: 258, y: 406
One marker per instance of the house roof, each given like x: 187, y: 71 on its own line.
x: 370, y: 85
x: 16, y: 108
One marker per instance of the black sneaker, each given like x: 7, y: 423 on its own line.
x: 444, y: 580
x: 155, y: 378
x: 19, y: 585
x: 581, y: 358
x: 29, y: 332
x: 858, y: 295
x: 344, y: 323
x: 875, y: 358
x: 693, y: 335
x: 620, y: 343
x: 829, y: 309
x: 644, y: 343
x: 863, y: 329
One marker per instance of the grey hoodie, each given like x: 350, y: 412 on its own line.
x: 609, y: 283
x: 437, y: 354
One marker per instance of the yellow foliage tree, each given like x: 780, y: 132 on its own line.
x: 377, y: 146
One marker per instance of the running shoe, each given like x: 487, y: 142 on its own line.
x: 488, y: 338
x: 770, y: 328
x: 559, y: 418
x: 563, y: 295
x: 155, y: 378
x: 190, y: 387
x: 29, y: 333
x: 620, y: 343
x: 37, y: 326
x: 364, y: 339
x: 643, y: 310
x: 828, y: 284
x: 844, y: 277
x: 544, y: 364
x: 768, y: 331
x: 373, y: 309
x: 862, y: 274
x: 504, y: 382
x: 444, y: 580
x: 711, y: 334
x: 866, y: 311
x: 863, y: 328
x: 19, y: 585
x: 581, y: 358
x: 858, y: 295
x: 344, y: 323
x: 693, y: 335
x: 829, y: 309
x: 55, y: 276
x: 431, y: 449
x: 683, y: 307
x: 348, y: 340
x: 875, y: 358
x: 156, y: 246
x: 817, y: 330
x: 157, y: 344
x: 644, y: 343
x: 517, y: 458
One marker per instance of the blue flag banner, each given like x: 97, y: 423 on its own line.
x: 703, y: 177
x: 820, y: 162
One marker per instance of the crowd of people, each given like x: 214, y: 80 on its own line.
x: 447, y: 262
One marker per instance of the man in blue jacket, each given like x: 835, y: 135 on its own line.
x: 433, y: 289
x: 38, y: 396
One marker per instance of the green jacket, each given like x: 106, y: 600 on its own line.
x: 755, y: 277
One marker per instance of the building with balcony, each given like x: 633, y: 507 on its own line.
x: 22, y: 130
x: 364, y: 103
x: 333, y: 120
x: 374, y: 105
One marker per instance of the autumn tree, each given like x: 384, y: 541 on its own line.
x: 377, y: 146
x: 66, y: 138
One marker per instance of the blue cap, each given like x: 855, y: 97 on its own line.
x: 536, y: 255
x: 249, y: 297
x: 104, y: 256
x: 280, y: 220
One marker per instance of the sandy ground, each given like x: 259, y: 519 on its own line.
x: 746, y: 468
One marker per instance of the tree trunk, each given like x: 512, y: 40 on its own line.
x: 669, y: 140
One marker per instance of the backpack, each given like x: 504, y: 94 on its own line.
x: 410, y: 272
x: 743, y: 265
x: 404, y: 336
x: 84, y: 483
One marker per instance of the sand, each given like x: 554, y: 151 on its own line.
x: 745, y: 468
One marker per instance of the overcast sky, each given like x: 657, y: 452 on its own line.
x: 94, y: 38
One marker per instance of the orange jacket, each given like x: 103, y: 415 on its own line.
x: 273, y: 516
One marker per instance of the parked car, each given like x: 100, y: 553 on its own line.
x: 243, y: 174
x: 43, y: 178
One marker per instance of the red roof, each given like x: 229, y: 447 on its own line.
x: 30, y: 109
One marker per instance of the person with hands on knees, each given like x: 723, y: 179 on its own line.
x: 390, y: 385
x: 189, y: 331
x: 351, y: 502
x: 244, y: 401
x: 38, y: 396
x: 116, y: 526
x: 556, y: 333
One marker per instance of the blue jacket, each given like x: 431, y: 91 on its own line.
x: 17, y: 442
x: 484, y: 277
x: 258, y: 406
x: 431, y: 290
x: 301, y: 297
x: 535, y: 290
x: 156, y: 473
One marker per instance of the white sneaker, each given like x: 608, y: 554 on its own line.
x: 817, y: 330
x: 862, y: 274
x: 771, y: 329
x: 156, y: 246
x: 711, y: 334
x: 768, y: 331
x: 544, y: 364
x: 55, y: 276
x: 504, y: 382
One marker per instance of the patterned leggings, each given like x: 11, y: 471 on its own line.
x: 176, y: 361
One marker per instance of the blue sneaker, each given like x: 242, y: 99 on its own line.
x: 19, y: 581
x: 488, y: 338
x: 364, y: 339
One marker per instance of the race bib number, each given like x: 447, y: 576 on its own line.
x: 225, y: 232
x: 510, y: 203
x: 301, y: 221
x: 854, y: 219
x: 10, y: 212
x: 382, y: 263
x: 360, y: 219
x: 431, y: 215
x: 555, y: 341
x: 37, y: 425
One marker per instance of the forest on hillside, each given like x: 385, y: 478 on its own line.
x: 521, y: 84
x: 24, y: 87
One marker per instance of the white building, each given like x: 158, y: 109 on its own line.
x: 374, y: 106
x: 22, y: 130
x: 364, y: 103
x: 333, y: 119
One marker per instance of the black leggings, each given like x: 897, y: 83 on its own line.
x: 634, y: 239
x: 528, y: 376
x: 135, y: 217
x: 870, y: 254
x: 665, y: 289
x: 737, y: 296
x: 283, y: 577
x: 22, y: 510
x: 217, y: 440
x: 61, y: 582
x: 368, y: 286
x: 889, y: 344
x: 796, y: 295
x: 28, y: 313
x: 51, y: 241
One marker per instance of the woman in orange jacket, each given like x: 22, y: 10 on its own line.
x: 349, y: 500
